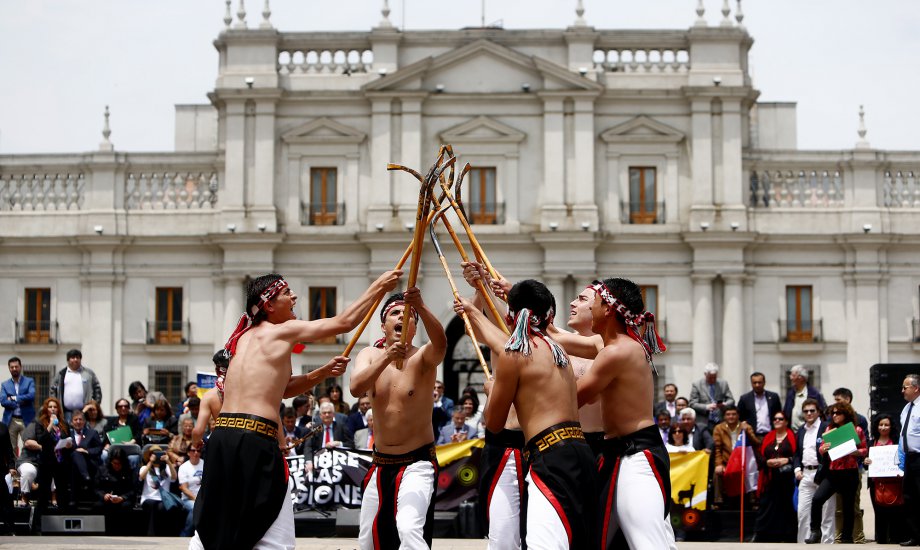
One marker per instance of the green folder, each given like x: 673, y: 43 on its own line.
x: 120, y: 435
x: 842, y: 434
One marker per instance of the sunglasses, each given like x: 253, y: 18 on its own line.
x: 810, y: 411
x: 121, y: 406
x: 835, y: 413
x: 194, y: 451
x: 779, y: 419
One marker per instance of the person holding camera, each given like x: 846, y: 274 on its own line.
x: 161, y: 426
x: 157, y: 474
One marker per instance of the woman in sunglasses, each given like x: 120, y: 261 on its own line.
x: 678, y: 441
x: 776, y: 517
x: 839, y: 476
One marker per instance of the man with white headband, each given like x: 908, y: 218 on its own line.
x: 634, y: 467
x: 244, y: 499
x: 534, y: 374
x: 397, y: 503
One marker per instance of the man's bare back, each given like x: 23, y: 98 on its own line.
x: 210, y: 408
x: 258, y: 373
x: 401, y: 398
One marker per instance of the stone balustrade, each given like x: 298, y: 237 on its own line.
x: 642, y: 60
x: 42, y: 191
x: 901, y: 188
x: 796, y: 188
x: 311, y: 61
x: 170, y: 190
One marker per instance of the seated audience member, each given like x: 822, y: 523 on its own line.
x: 158, y: 471
x: 94, y: 418
x: 333, y: 434
x: 678, y: 441
x: 339, y: 417
x: 681, y: 403
x: 458, y: 430
x: 54, y: 464
x: 160, y: 426
x: 178, y: 447
x: 291, y: 432
x: 469, y: 406
x: 334, y: 393
x: 697, y: 436
x: 356, y: 420
x: 443, y: 409
x: 724, y: 437
x: 664, y: 425
x: 476, y: 416
x: 303, y: 409
x: 189, y: 483
x: 192, y: 406
x: 191, y: 390
x: 27, y: 464
x: 364, y: 438
x: 86, y: 459
x: 114, y: 487
x: 142, y: 402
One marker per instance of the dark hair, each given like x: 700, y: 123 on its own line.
x: 676, y: 428
x: 393, y: 297
x: 299, y: 401
x: 627, y: 292
x: 729, y: 408
x: 163, y: 403
x: 813, y: 401
x: 134, y: 386
x: 289, y: 413
x: 194, y: 401
x: 221, y: 359
x: 672, y: 385
x: 335, y: 387
x: 74, y: 353
x: 760, y: 374
x: 533, y: 295
x: 849, y: 415
x: 14, y: 359
x: 664, y: 412
x: 472, y: 397
x: 119, y: 454
x: 895, y: 426
x: 189, y: 385
x: 844, y: 392
x: 783, y: 413
x: 254, y: 291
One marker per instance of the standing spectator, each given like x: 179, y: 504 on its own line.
x: 192, y: 407
x: 838, y: 476
x: 700, y: 438
x: 178, y: 447
x: 158, y: 472
x: 670, y: 401
x: 191, y: 390
x: 8, y: 463
x: 480, y: 405
x: 456, y: 431
x: 910, y: 456
x: 303, y: 409
x: 94, y: 418
x: 681, y: 403
x: 807, y: 461
x: 470, y: 405
x: 189, y: 483
x: 54, y: 464
x: 724, y: 437
x: 758, y: 406
x: 776, y: 484
x: 160, y: 426
x: 709, y: 396
x: 291, y: 431
x: 358, y: 420
x: 364, y: 438
x: 142, y: 401
x: 889, y: 518
x: 17, y: 395
x: 664, y: 425
x: 27, y: 464
x: 86, y: 458
x: 75, y: 385
x: 334, y: 393
x: 442, y: 409
x: 797, y: 394
x: 115, y: 490
x: 844, y: 395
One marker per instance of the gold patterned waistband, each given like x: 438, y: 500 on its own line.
x: 248, y: 422
x: 554, y: 435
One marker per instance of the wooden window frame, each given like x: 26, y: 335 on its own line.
x: 37, y: 330
x: 327, y: 305
x: 482, y: 212
x: 172, y: 333
x: 642, y: 215
x: 320, y: 213
x: 795, y: 331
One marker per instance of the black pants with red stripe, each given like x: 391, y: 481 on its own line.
x: 636, y: 494
x: 501, y: 489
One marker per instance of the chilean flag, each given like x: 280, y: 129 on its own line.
x: 742, y: 464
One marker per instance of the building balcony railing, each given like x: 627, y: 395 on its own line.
x: 797, y: 330
x: 901, y: 189
x: 171, y: 190
x: 323, y: 213
x: 641, y: 214
x: 642, y: 60
x: 37, y: 332
x: 796, y: 188
x: 485, y: 213
x: 42, y: 191
x: 169, y: 333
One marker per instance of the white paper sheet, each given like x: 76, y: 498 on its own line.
x: 884, y: 461
x: 63, y: 444
x: 842, y: 450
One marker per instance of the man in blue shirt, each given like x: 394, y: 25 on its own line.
x: 909, y: 442
x: 17, y: 395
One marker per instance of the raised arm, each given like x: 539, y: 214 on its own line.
x: 486, y: 332
x: 302, y: 382
x: 432, y: 352
x: 576, y: 344
x: 369, y: 365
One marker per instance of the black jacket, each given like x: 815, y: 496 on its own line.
x: 747, y: 410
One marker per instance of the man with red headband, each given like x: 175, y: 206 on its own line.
x: 634, y: 467
x: 397, y: 504
x: 244, y: 499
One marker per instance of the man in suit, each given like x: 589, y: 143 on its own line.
x: 758, y: 406
x: 86, y: 458
x: 806, y: 462
x: 797, y: 394
x: 909, y: 442
x: 663, y: 419
x: 303, y: 409
x: 699, y: 437
x: 357, y: 420
x: 291, y: 431
x: 17, y: 395
x: 364, y: 438
x: 443, y: 407
x: 333, y: 434
x: 458, y: 430
x: 709, y: 397
x: 669, y: 404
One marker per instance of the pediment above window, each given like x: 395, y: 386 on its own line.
x: 642, y: 129
x: 482, y: 130
x: 324, y: 130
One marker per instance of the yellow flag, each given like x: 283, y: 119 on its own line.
x: 689, y: 473
x: 454, y: 451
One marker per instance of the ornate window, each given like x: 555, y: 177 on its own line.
x: 37, y: 323
x: 481, y: 205
x: 799, y: 322
x: 322, y: 306
x: 323, y: 205
x: 642, y: 198
x: 167, y: 326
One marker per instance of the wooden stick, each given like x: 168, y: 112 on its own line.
x: 453, y: 286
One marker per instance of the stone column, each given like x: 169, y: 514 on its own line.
x: 231, y: 196
x: 733, y: 186
x: 701, y: 146
x: 262, y: 186
x: 733, y: 365
x: 703, y: 336
x: 380, y: 209
x: 748, y: 314
x: 406, y: 189
x: 233, y: 302
x: 585, y: 207
x: 553, y: 209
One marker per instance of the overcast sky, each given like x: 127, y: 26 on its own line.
x: 62, y: 61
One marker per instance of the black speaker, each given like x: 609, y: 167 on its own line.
x: 885, y: 381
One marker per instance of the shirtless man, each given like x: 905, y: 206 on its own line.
x: 635, y: 464
x: 397, y: 506
x: 533, y: 372
x: 210, y: 402
x: 244, y: 500
x: 589, y: 414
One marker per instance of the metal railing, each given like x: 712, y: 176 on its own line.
x: 37, y: 332
x: 640, y: 214
x: 322, y: 213
x: 169, y: 333
x: 796, y: 330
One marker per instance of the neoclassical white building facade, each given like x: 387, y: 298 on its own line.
x: 596, y: 152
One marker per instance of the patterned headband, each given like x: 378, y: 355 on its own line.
x: 381, y: 342
x: 651, y: 341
